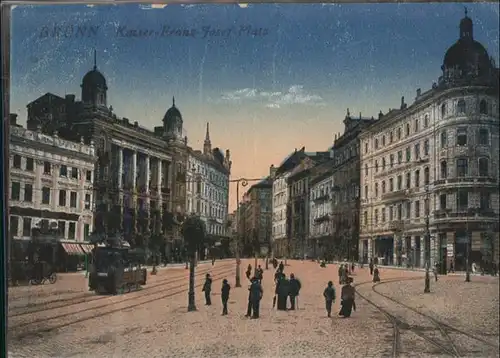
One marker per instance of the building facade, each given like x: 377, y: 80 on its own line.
x: 207, y: 193
x: 430, y: 170
x: 51, y: 184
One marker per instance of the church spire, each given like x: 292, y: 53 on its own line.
x: 95, y: 60
x: 207, y: 145
x: 173, y: 101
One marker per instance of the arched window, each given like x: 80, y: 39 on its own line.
x: 426, y: 176
x: 426, y: 121
x: 443, y: 110
x: 461, y: 106
x: 483, y: 167
x: 376, y: 190
x: 383, y: 187
x: 483, y: 107
x: 444, y: 169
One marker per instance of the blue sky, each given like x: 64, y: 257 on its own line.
x: 263, y: 95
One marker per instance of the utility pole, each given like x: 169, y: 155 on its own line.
x: 467, y: 253
x: 427, y: 288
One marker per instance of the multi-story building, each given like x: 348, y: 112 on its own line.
x: 320, y: 210
x: 207, y: 190
x: 346, y: 199
x: 431, y: 169
x: 300, y: 243
x: 51, y: 184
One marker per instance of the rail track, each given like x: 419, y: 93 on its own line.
x: 438, y: 335
x: 90, y: 297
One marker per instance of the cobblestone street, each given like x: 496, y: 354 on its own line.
x: 154, y: 322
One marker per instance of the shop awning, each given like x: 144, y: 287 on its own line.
x: 72, y: 249
x: 87, y: 248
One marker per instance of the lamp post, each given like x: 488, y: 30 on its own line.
x: 427, y: 288
x: 244, y: 183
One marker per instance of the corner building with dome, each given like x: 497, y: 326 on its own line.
x: 140, y: 180
x: 430, y: 170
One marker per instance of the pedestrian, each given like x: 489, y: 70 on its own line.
x: 452, y: 268
x: 293, y: 291
x: 352, y: 266
x: 277, y: 275
x: 249, y: 271
x: 435, y: 271
x: 213, y: 260
x: 281, y: 267
x: 371, y: 267
x: 329, y: 294
x: 259, y: 273
x: 207, y: 288
x: 224, y: 294
x: 376, y: 274
x: 347, y: 296
x: 283, y: 292
x: 256, y: 294
x: 341, y: 273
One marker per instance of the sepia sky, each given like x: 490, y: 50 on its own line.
x: 269, y: 78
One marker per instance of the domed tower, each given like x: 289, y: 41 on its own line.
x: 172, y: 123
x: 467, y: 58
x: 94, y: 87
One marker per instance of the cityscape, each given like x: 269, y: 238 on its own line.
x: 291, y: 141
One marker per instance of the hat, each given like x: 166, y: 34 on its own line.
x: 292, y: 275
x: 224, y: 281
x: 330, y: 283
x: 208, y: 275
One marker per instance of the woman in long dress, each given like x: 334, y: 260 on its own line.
x: 347, y: 295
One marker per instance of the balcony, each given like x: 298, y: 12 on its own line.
x: 395, y: 195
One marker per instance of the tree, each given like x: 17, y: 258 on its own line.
x: 194, y: 232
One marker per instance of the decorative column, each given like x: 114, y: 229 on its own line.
x: 370, y: 248
x: 413, y: 252
x: 147, y: 173
x: 120, y: 169
x: 134, y: 170
x: 158, y: 180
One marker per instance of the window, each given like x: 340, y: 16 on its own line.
x: 400, y: 182
x: 391, y: 213
x: 14, y: 226
x: 72, y: 199
x: 88, y: 175
x: 400, y: 211
x: 383, y: 141
x: 376, y: 216
x: 376, y: 143
x: 408, y: 209
x: 417, y: 178
x: 45, y: 195
x: 407, y: 129
x: 483, y: 137
x: 426, y: 121
x: 444, y: 139
x: 62, y: 197
x: 391, y: 137
x: 28, y: 193
x: 399, y: 133
x: 426, y: 207
x: 484, y: 201
x: 383, y: 163
x: 376, y: 190
x: 443, y: 110
x: 87, y: 201
x: 400, y: 157
x: 63, y: 171
x: 417, y: 125
x: 30, y: 164
x: 86, y: 232
x: 383, y: 187
x: 366, y: 169
x: 444, y: 170
x: 426, y: 147
x: 15, y: 193
x: 47, y: 168
x: 483, y: 167
x: 483, y: 107
x: 391, y: 160
x: 462, y: 136
x: 408, y: 180
x: 391, y: 184
x: 408, y: 154
x: 376, y: 166
x: 365, y: 217
x: 71, y: 231
x: 417, y: 209
x: 462, y: 200
x: 26, y: 226
x: 417, y: 151
x: 74, y: 173
x: 426, y: 176
x: 442, y: 201
x: 366, y: 147
x: 61, y: 228
x: 366, y: 191
x: 461, y: 106
x: 462, y: 167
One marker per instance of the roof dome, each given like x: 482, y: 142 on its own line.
x: 172, y: 113
x: 94, y: 78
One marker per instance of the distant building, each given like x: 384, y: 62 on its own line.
x: 51, y: 184
x: 207, y: 192
x: 436, y: 161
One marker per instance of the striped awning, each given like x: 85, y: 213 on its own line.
x: 87, y: 248
x: 72, y: 249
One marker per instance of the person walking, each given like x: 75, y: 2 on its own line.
x: 225, y: 296
x: 207, y: 288
x: 347, y: 295
x: 249, y: 271
x: 371, y: 267
x: 329, y: 295
x: 256, y: 294
x: 294, y: 289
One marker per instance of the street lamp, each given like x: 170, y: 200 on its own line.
x: 427, y: 288
x: 244, y: 183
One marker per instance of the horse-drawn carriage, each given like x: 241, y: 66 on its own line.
x: 116, y: 268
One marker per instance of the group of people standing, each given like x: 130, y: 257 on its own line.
x: 286, y: 288
x: 347, y: 296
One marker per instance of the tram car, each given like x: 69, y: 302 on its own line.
x: 116, y: 269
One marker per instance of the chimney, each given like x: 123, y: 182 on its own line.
x: 125, y: 120
x: 403, y: 104
x: 419, y: 92
x: 13, y: 119
x: 380, y: 115
x: 70, y: 98
x: 272, y: 171
x: 136, y: 124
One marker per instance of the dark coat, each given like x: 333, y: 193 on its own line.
x: 283, y: 287
x: 294, y: 287
x: 225, y: 291
x: 256, y: 291
x: 207, y: 286
x: 329, y: 293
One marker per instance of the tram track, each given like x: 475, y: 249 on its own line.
x: 90, y: 297
x: 35, y: 327
x: 438, y: 335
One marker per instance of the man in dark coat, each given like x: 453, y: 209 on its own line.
x: 207, y: 288
x: 283, y: 289
x: 329, y: 294
x: 259, y: 273
x: 256, y: 293
x: 225, y: 295
x: 347, y: 295
x: 341, y: 273
x: 376, y: 274
x: 293, y: 290
x: 281, y: 267
x: 249, y: 271
x: 371, y: 266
